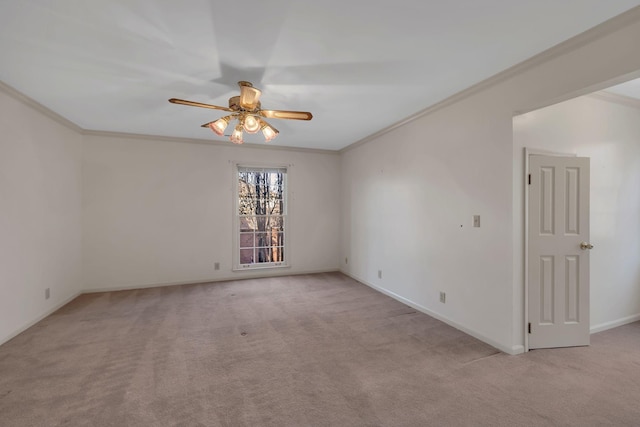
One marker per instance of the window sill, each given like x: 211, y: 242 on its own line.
x: 260, y: 267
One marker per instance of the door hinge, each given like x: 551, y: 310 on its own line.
x: 529, y: 179
x: 529, y: 328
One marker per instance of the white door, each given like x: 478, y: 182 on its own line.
x: 558, y: 252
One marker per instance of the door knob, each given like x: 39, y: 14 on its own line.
x: 585, y: 245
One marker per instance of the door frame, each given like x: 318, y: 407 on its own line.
x: 527, y: 153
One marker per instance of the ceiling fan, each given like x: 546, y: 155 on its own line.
x: 246, y: 109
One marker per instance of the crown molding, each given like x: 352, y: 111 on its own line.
x: 227, y: 144
x: 607, y: 27
x: 29, y: 102
x: 615, y: 98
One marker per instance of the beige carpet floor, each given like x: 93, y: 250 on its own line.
x: 311, y: 350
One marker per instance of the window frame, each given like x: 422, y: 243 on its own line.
x: 286, y: 226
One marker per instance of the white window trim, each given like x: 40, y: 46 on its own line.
x: 236, y: 219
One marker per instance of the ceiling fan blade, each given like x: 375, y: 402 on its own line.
x: 198, y: 104
x: 249, y: 96
x: 283, y: 114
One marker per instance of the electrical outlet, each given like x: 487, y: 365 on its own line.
x: 443, y: 297
x: 216, y: 266
x: 476, y: 220
x: 47, y: 293
x: 379, y: 274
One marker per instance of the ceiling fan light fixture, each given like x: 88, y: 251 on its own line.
x: 247, y: 110
x: 269, y: 131
x: 251, y: 124
x: 220, y: 125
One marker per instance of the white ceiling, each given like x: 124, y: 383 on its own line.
x: 357, y: 66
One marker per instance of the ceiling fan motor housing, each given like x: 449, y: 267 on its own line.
x: 234, y: 104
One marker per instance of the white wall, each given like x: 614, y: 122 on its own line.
x: 409, y: 203
x: 608, y: 133
x: 160, y: 212
x: 40, y: 208
x: 410, y: 194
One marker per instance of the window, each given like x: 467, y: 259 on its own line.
x: 261, y: 217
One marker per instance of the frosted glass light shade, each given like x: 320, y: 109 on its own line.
x: 269, y: 132
x: 219, y: 125
x: 251, y: 124
x: 236, y: 136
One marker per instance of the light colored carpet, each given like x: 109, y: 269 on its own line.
x: 312, y: 350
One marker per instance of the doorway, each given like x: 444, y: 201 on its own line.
x: 606, y: 130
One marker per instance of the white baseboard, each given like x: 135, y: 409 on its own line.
x: 148, y: 286
x: 614, y: 323
x: 262, y: 273
x: 39, y: 318
x: 512, y: 350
